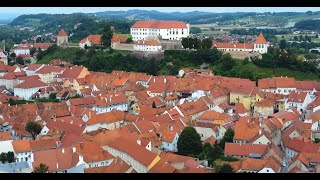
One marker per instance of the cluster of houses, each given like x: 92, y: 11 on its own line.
x: 131, y: 122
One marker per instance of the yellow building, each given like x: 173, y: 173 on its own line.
x: 246, y: 96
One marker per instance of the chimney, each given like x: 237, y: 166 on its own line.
x: 62, y: 150
x: 139, y: 141
x: 57, y: 166
x: 154, y: 80
x: 71, y: 122
x: 81, y: 145
x: 89, y: 114
x: 74, y: 149
x: 165, y: 80
x: 260, y: 131
x: 16, y: 105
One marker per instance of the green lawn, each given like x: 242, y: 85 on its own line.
x: 288, y: 36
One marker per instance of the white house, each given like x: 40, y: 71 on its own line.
x: 111, y: 102
x: 169, y: 30
x: 109, y: 120
x: 33, y: 68
x: 3, y: 58
x: 5, y: 142
x: 22, y: 49
x: 147, y: 45
x: 141, y: 159
x: 28, y: 88
x: 205, y: 132
x: 92, y: 39
x: 169, y: 139
x: 298, y: 100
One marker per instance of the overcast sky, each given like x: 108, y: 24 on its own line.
x: 67, y: 10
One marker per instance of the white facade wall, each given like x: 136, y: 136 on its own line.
x: 170, y: 146
x: 9, y: 84
x: 261, y: 48
x: 198, y: 94
x: 6, y: 146
x: 138, y: 47
x: 267, y: 170
x: 290, y: 153
x: 120, y: 107
x: 169, y: 34
x: 22, y: 156
x: 26, y: 94
x: 137, y: 166
x: 98, y: 164
x: 205, y: 133
x: 21, y: 51
x: 262, y: 140
x: 109, y: 126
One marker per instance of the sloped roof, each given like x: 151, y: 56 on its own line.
x: 159, y: 24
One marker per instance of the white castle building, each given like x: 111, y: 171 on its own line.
x: 168, y: 30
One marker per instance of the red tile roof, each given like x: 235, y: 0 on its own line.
x: 62, y: 33
x: 137, y: 152
x: 4, y: 136
x: 277, y: 82
x: 261, y: 39
x: 148, y: 42
x: 93, y: 38
x: 109, y: 117
x: 119, y: 38
x: 233, y: 45
x: 240, y: 109
x: 31, y: 84
x: 33, y: 67
x: 57, y: 159
x: 236, y: 149
x: 297, y: 97
x: 42, y: 46
x: 50, y: 69
x: 21, y: 146
x: 245, y: 129
x: 159, y: 24
x: 117, y: 166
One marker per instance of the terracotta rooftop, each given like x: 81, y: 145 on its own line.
x: 159, y: 24
x: 93, y: 38
x: 245, y: 129
x: 261, y: 39
x: 237, y: 149
x: 62, y: 33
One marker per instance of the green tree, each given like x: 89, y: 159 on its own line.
x: 42, y: 168
x: 3, y: 157
x: 129, y: 40
x: 211, y: 153
x: 33, y: 128
x: 13, y: 55
x: 295, y: 38
x: 106, y: 36
x: 317, y: 140
x: 282, y: 44
x: 33, y: 50
x: 10, y: 157
x: 185, y: 43
x: 154, y: 104
x: 52, y: 96
x: 20, y: 60
x: 207, y: 43
x: 195, y: 30
x: 226, y: 168
x: 227, y: 62
x: 189, y: 142
x: 228, y: 137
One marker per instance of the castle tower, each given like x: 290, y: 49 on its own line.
x: 62, y: 38
x: 261, y: 45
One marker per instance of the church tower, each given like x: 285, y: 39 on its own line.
x: 62, y: 38
x: 261, y: 45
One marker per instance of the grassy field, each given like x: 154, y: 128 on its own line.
x: 32, y: 22
x: 288, y: 36
x: 214, y: 32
